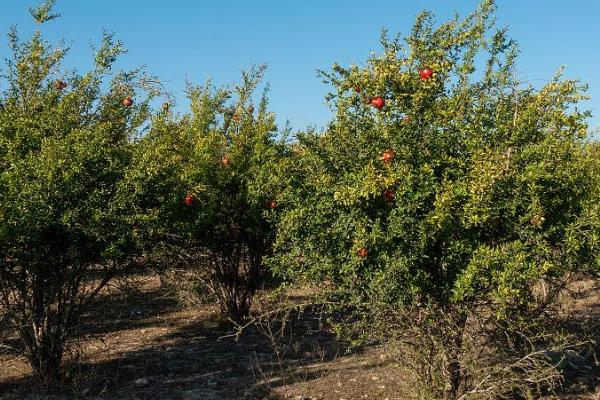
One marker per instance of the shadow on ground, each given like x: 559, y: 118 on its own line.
x: 143, y: 346
x: 140, y: 345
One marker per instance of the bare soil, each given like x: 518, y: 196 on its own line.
x: 140, y: 344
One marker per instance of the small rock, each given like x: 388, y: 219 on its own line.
x: 141, y: 382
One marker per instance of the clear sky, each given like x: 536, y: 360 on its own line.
x: 196, y: 40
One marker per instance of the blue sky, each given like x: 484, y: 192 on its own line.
x: 196, y: 40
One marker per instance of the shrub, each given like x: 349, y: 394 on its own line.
x: 65, y: 143
x: 443, y: 189
x: 204, y: 180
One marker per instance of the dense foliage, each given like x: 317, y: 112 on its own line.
x: 204, y: 180
x: 442, y: 186
x: 446, y: 206
x: 65, y: 143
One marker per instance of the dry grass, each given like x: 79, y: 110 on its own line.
x: 138, y: 330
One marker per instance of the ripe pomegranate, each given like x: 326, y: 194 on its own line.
x: 272, y: 204
x: 127, y: 101
x: 363, y: 252
x: 60, y: 85
x: 378, y: 102
x: 189, y: 200
x: 426, y: 73
x: 225, y: 161
x: 389, y: 194
x: 388, y: 156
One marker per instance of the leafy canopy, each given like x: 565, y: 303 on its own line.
x: 487, y: 189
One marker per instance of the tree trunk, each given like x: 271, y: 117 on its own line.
x: 44, y: 333
x: 235, y: 303
x: 455, y: 378
x: 45, y: 357
x: 453, y: 366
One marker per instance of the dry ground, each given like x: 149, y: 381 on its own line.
x: 140, y: 345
